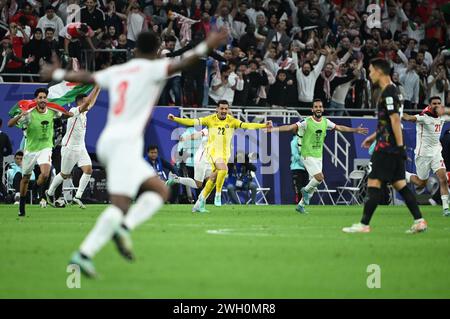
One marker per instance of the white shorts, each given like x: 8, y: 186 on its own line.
x: 425, y: 164
x: 71, y: 157
x: 202, y: 170
x: 30, y: 159
x: 313, y: 165
x: 126, y: 169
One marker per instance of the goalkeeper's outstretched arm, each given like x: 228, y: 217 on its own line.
x: 184, y: 121
x: 255, y: 126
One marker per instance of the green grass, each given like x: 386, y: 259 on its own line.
x: 260, y: 252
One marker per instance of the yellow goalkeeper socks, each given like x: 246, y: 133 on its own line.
x: 207, y: 189
x: 221, y: 174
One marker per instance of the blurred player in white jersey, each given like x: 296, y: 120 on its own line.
x: 134, y: 88
x: 428, y: 148
x: 202, y: 167
x: 73, y: 151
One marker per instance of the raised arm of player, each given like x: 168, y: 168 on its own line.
x: 358, y: 130
x: 214, y: 39
x: 447, y: 111
x: 409, y: 118
x: 254, y: 126
x: 13, y: 121
x: 92, y: 97
x: 184, y: 121
x: 284, y: 128
x: 369, y: 140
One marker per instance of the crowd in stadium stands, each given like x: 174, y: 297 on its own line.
x: 280, y: 53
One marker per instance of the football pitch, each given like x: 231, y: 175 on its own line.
x: 231, y: 252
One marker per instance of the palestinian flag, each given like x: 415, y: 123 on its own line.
x: 59, y: 95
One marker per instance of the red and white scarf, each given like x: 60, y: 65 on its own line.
x: 185, y: 23
x: 326, y: 83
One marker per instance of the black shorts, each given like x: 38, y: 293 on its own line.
x: 387, y: 167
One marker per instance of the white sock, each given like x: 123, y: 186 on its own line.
x: 186, y: 181
x: 57, y: 180
x: 444, y: 201
x: 102, y: 232
x: 84, y: 180
x: 312, y: 185
x: 145, y: 207
x: 408, y: 177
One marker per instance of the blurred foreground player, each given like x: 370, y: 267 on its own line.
x: 134, y: 88
x: 388, y: 159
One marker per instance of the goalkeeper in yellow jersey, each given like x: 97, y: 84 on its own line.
x: 221, y: 126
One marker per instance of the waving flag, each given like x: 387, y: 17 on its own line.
x: 59, y: 95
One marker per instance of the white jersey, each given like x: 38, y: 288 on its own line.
x: 134, y: 89
x: 428, y: 132
x: 76, y: 129
x: 201, y: 153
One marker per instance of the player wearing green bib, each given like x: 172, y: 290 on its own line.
x: 314, y: 130
x: 39, y: 143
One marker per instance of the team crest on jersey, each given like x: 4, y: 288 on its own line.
x: 390, y: 103
x: 227, y: 126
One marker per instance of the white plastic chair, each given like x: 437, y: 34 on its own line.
x: 325, y: 190
x: 355, y: 177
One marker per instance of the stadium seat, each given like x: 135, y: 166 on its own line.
x: 355, y: 178
x: 261, y: 192
x: 326, y: 190
x: 68, y: 189
x: 6, y: 161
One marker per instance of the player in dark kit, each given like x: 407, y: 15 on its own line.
x: 388, y: 159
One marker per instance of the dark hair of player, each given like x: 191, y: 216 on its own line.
x: 435, y: 98
x: 170, y: 38
x: 80, y: 97
x: 18, y: 153
x: 317, y: 100
x: 152, y: 147
x: 223, y: 102
x: 382, y: 65
x: 147, y: 42
x: 40, y: 90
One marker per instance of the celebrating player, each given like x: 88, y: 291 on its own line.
x: 134, y: 88
x: 221, y: 126
x: 313, y: 131
x: 428, y: 148
x: 73, y: 151
x: 388, y: 158
x: 39, y: 143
